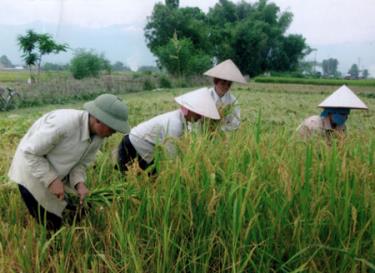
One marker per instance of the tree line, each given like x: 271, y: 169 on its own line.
x: 185, y: 40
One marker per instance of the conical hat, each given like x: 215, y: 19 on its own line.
x: 343, y: 98
x: 200, y: 102
x: 226, y: 70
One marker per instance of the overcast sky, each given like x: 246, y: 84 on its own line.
x: 321, y: 22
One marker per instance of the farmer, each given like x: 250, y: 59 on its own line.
x: 223, y: 75
x: 52, y: 157
x: 336, y: 109
x: 140, y: 142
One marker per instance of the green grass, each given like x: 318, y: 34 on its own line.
x: 261, y: 79
x: 255, y: 200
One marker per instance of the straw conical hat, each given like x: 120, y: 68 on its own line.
x: 343, y: 98
x: 226, y: 70
x: 200, y: 102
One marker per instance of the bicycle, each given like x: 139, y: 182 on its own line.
x: 9, y: 99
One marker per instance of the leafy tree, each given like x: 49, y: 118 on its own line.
x: 330, y: 67
x: 34, y: 46
x: 88, y: 64
x: 252, y: 35
x: 47, y: 45
x: 119, y: 66
x: 365, y: 73
x: 180, y: 58
x: 354, y: 71
x: 172, y: 3
x: 6, y: 62
x: 188, y: 24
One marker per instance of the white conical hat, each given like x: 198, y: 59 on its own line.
x: 343, y: 98
x: 226, y: 70
x: 199, y: 101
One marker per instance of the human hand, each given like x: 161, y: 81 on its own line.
x: 57, y: 188
x: 82, y: 191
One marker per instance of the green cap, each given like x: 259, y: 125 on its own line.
x: 111, y: 111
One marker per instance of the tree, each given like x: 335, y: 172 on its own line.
x: 6, y: 62
x: 172, y: 3
x: 330, y: 67
x: 47, y: 45
x: 88, y: 64
x: 354, y: 71
x: 189, y: 25
x: 34, y: 46
x: 365, y: 73
x: 119, y: 66
x: 180, y: 58
x: 252, y: 35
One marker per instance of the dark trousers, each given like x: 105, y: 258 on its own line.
x: 127, y: 155
x: 42, y: 216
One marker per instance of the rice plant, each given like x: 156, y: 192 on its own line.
x: 255, y: 200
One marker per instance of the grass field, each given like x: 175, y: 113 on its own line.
x: 255, y: 200
x: 367, y: 82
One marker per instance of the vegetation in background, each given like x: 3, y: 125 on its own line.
x: 313, y: 81
x: 253, y: 35
x: 119, y: 66
x: 5, y: 62
x: 34, y: 46
x: 88, y: 64
x: 330, y: 67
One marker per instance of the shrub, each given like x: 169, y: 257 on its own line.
x: 148, y: 85
x: 88, y: 64
x: 164, y: 82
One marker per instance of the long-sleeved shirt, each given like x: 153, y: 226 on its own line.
x: 228, y: 108
x: 147, y: 134
x: 58, y: 145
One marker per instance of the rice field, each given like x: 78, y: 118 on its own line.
x: 255, y: 200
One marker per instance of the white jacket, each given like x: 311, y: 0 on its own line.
x: 57, y: 145
x: 156, y: 131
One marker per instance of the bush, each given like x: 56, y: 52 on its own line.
x: 88, y: 64
x: 148, y: 85
x: 164, y: 82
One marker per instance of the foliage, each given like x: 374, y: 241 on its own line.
x: 330, y: 67
x: 88, y: 64
x: 34, y: 46
x: 354, y: 71
x: 164, y: 82
x: 119, y: 66
x: 252, y: 35
x: 314, y: 81
x: 365, y: 73
x: 178, y: 37
x: 180, y: 58
x: 5, y: 62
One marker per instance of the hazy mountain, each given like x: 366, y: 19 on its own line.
x: 127, y: 44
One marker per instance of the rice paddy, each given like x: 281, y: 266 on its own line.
x: 255, y: 200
